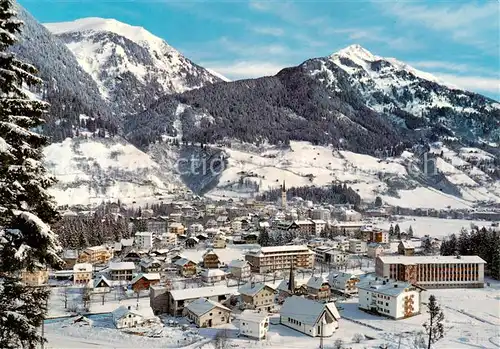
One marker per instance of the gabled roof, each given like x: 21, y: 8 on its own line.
x: 316, y: 282
x: 252, y: 288
x: 306, y: 310
x: 123, y: 311
x: 202, y: 306
x: 183, y: 261
x: 147, y: 276
x: 102, y: 278
x: 193, y: 293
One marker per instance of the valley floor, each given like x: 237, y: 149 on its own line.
x: 472, y: 320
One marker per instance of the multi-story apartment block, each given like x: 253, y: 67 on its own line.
x: 357, y: 246
x: 321, y: 213
x: 394, y: 299
x: 143, y: 240
x: 239, y: 269
x: 121, y: 270
x: 433, y: 271
x: 273, y: 258
x: 344, y: 283
x: 305, y: 226
x: 378, y: 236
x: 95, y: 255
x: 319, y: 225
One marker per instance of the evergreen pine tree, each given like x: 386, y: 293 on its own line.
x: 434, y: 327
x: 263, y: 239
x: 26, y: 209
x: 397, y: 231
x: 410, y: 232
x: 391, y: 231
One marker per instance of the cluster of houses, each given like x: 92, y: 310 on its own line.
x: 152, y: 260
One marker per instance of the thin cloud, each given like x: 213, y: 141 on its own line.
x: 245, y: 69
x: 268, y: 31
x: 471, y: 24
x: 472, y: 83
x: 441, y: 65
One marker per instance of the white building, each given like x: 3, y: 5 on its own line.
x: 143, y: 240
x: 195, y: 228
x: 319, y: 225
x: 169, y: 239
x: 82, y: 273
x: 394, y: 299
x: 357, y: 246
x: 344, y: 283
x: 310, y: 317
x: 239, y: 269
x: 207, y: 313
x: 127, y: 317
x: 212, y: 275
x: 220, y: 241
x: 254, y: 324
x: 236, y: 225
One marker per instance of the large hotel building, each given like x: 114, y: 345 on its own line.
x: 433, y: 271
x: 273, y: 258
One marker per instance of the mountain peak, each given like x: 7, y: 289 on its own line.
x: 137, y: 34
x: 356, y: 51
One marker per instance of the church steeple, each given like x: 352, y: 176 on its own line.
x: 283, y: 195
x: 291, y: 280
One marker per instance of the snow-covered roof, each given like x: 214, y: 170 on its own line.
x: 96, y: 248
x: 183, y: 261
x: 83, y: 267
x: 175, y: 225
x: 123, y: 311
x: 147, y: 276
x: 102, y: 278
x: 391, y: 288
x: 288, y: 248
x: 407, y: 244
x: 253, y: 316
x: 316, y: 282
x: 121, y: 266
x: 306, y: 310
x: 70, y: 254
x: 202, y: 306
x: 212, y: 272
x: 237, y: 263
x: 408, y: 260
x: 144, y: 233
x: 127, y: 242
x: 192, y: 293
x: 318, y: 221
x: 252, y: 288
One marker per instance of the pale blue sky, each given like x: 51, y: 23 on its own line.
x: 459, y: 41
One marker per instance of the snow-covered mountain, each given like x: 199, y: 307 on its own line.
x: 414, y: 97
x: 131, y: 66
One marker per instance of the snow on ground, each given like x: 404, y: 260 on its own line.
x: 471, y: 320
x: 364, y: 173
x: 225, y: 254
x: 92, y: 170
x: 435, y: 227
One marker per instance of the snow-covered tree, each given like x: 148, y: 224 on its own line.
x: 434, y: 326
x: 26, y: 209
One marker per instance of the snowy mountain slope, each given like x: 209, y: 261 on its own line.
x: 131, y: 66
x: 305, y: 164
x: 93, y: 170
x: 417, y: 98
x: 67, y: 87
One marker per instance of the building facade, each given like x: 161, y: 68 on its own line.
x: 394, y: 299
x: 253, y: 324
x: 433, y: 271
x: 269, y: 259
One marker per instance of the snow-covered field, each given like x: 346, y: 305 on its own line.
x: 435, y: 227
x: 366, y: 174
x: 472, y: 319
x: 93, y: 170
